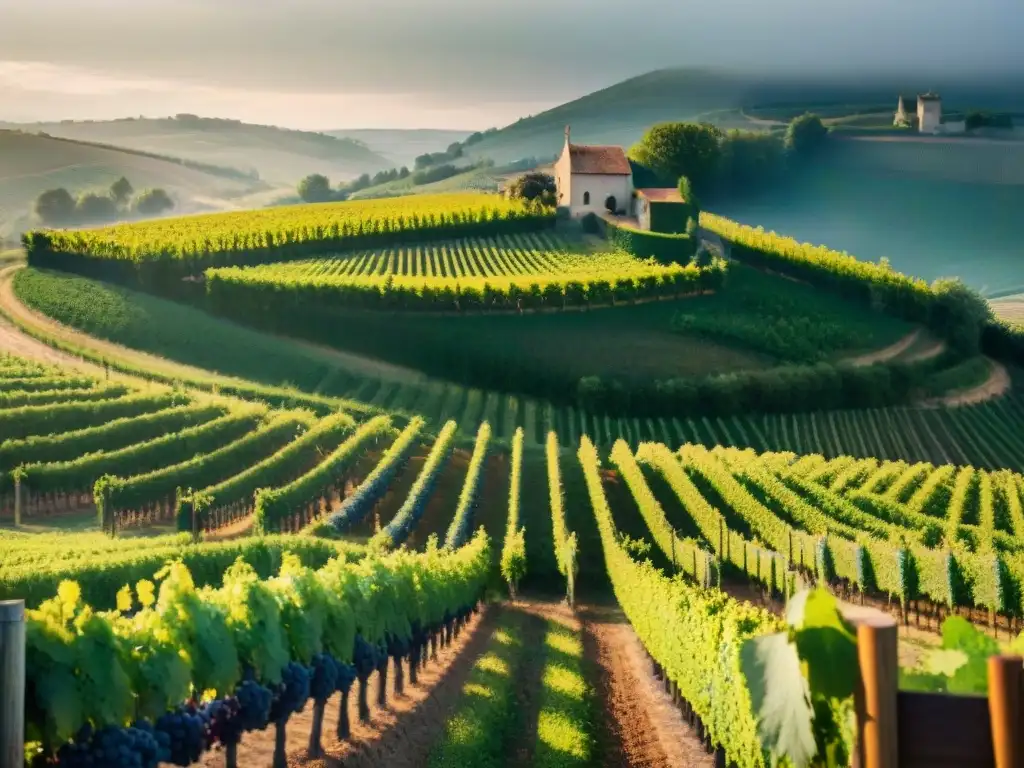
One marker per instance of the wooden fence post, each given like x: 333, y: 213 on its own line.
x: 1005, y: 675
x: 877, y: 686
x: 12, y: 683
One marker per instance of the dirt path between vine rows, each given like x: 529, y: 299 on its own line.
x: 16, y: 342
x: 638, y: 726
x: 398, y: 736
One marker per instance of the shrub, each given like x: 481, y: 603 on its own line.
x: 153, y: 202
x: 663, y: 247
x: 315, y: 188
x: 534, y: 186
x: 93, y: 207
x: 55, y: 207
x: 805, y: 134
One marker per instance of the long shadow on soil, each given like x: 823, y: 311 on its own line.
x: 407, y: 742
x: 609, y: 741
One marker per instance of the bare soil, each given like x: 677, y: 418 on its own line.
x: 637, y: 724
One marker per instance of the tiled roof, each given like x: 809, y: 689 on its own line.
x: 661, y: 194
x: 604, y: 160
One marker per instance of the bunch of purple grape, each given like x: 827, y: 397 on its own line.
x: 292, y: 693
x: 188, y: 729
x: 111, y: 747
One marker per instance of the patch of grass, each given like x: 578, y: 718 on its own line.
x: 564, y: 728
x: 960, y: 377
x: 629, y: 342
x: 480, y: 732
x: 788, y: 320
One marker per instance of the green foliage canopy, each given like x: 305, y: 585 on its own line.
x: 316, y: 188
x: 805, y: 134
x: 55, y: 207
x: 681, y: 149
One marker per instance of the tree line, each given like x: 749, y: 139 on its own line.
x: 316, y: 188
x: 725, y: 163
x: 58, y: 208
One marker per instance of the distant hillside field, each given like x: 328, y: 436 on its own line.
x: 399, y: 146
x: 31, y: 164
x: 277, y: 154
x: 933, y: 208
x: 1010, y: 308
x: 622, y: 112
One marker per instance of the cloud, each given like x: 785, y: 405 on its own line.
x: 477, y: 58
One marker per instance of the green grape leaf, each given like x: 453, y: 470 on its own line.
x: 971, y: 678
x: 827, y: 645
x: 780, y: 698
x: 58, y: 694
x: 941, y: 661
x: 958, y: 634
x: 925, y: 682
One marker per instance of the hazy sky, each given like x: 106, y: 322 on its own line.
x: 448, y: 63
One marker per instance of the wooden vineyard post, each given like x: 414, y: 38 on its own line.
x: 877, y: 684
x: 1005, y: 675
x: 12, y: 683
x: 17, y: 502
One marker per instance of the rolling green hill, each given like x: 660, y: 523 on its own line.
x: 277, y: 154
x: 620, y: 113
x: 30, y: 164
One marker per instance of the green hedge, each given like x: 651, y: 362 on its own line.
x: 1004, y: 340
x: 663, y: 247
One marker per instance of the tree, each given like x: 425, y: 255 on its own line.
x: 316, y: 188
x: 672, y: 150
x: 153, y: 202
x: 94, y: 207
x: 55, y: 207
x: 959, y: 314
x: 805, y: 134
x: 534, y: 186
x: 404, y: 172
x: 121, y: 191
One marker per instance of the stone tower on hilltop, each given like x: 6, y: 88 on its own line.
x: 929, y: 113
